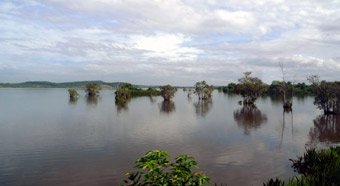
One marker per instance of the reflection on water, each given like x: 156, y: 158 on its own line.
x: 122, y: 105
x: 167, y: 107
x: 92, y: 100
x: 44, y: 140
x: 326, y: 129
x: 189, y: 98
x: 202, y: 107
x: 152, y: 99
x: 73, y: 100
x: 276, y: 99
x: 249, y: 117
x: 287, y: 114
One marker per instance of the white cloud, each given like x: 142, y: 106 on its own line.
x: 178, y: 40
x: 167, y: 46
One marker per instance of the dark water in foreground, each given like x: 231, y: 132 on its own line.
x: 47, y: 140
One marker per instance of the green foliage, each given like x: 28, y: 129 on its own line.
x: 123, y: 95
x: 73, y: 93
x: 301, y: 89
x: 276, y: 89
x: 158, y: 170
x: 203, y: 90
x: 276, y: 182
x: 317, y: 167
x: 327, y: 95
x: 167, y: 92
x: 92, y: 89
x: 323, y: 165
x: 126, y: 91
x: 136, y: 92
x: 250, y: 88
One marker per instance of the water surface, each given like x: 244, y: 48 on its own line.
x: 47, y: 139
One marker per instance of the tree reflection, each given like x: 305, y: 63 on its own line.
x: 122, y: 105
x: 167, y: 106
x: 73, y: 100
x: 202, y: 107
x: 276, y: 99
x: 152, y: 99
x: 285, y: 112
x: 92, y: 100
x: 249, y: 117
x: 326, y: 129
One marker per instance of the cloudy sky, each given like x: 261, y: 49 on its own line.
x: 171, y: 41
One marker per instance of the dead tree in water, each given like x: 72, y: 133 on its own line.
x: 287, y: 104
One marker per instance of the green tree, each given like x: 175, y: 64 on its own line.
x: 250, y: 88
x: 122, y: 95
x: 92, y: 89
x: 73, y: 93
x: 157, y: 169
x: 167, y: 92
x: 327, y: 95
x: 203, y: 90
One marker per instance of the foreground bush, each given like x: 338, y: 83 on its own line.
x: 317, y: 167
x: 156, y: 169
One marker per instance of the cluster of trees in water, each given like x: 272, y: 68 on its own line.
x: 316, y: 167
x: 327, y: 94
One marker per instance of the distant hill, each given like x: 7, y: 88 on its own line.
x: 47, y: 84
x: 74, y: 84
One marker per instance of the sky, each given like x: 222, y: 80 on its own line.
x: 155, y: 42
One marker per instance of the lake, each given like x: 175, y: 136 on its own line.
x: 46, y: 139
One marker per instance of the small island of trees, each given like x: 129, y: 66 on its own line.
x: 327, y: 94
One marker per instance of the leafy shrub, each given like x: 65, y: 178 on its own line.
x: 73, y: 93
x: 92, y: 89
x: 167, y: 92
x: 318, y: 168
x: 158, y: 170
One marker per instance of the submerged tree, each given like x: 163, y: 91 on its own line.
x: 284, y: 88
x: 327, y: 95
x: 167, y: 92
x: 73, y: 93
x: 92, y: 89
x: 203, y: 90
x: 250, y: 88
x: 122, y: 95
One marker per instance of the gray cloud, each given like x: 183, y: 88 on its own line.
x: 178, y: 42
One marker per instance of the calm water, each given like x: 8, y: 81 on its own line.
x: 47, y: 140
